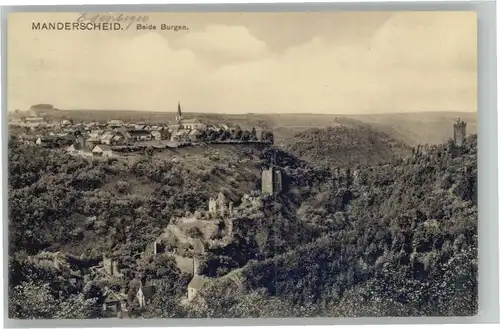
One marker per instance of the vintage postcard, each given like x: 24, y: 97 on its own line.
x: 235, y: 165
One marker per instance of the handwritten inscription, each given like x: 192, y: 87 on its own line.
x: 125, y: 20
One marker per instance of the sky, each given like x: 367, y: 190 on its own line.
x: 316, y: 62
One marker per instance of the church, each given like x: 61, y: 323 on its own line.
x: 186, y: 124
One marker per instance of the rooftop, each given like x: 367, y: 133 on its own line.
x: 148, y: 291
x: 103, y: 147
x: 139, y: 133
x: 191, y: 121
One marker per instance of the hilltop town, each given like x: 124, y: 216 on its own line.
x: 116, y: 138
x: 187, y: 238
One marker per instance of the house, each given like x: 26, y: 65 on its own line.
x: 80, y: 125
x: 115, y: 124
x: 145, y: 295
x: 195, y: 135
x: 73, y: 149
x: 115, y: 304
x: 193, y: 124
x: 15, y: 122
x: 91, y: 142
x: 140, y: 135
x: 85, y: 151
x: 34, y: 119
x: 165, y: 133
x: 107, y: 137
x: 102, y: 150
x: 156, y: 135
x: 180, y: 135
x: 77, y: 146
x: 140, y: 293
x: 124, y: 132
x: 65, y: 123
x: 95, y: 133
x: 118, y: 139
x: 28, y: 140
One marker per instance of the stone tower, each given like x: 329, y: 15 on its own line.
x: 271, y: 182
x: 459, y: 133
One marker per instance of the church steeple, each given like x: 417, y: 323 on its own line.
x: 178, y: 117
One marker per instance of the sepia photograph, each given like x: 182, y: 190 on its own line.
x: 242, y: 164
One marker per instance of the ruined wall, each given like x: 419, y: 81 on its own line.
x: 107, y: 263
x: 278, y: 181
x: 195, y: 266
x: 159, y: 247
x: 212, y: 207
x: 114, y: 266
x: 218, y: 206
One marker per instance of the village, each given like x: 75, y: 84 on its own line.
x: 115, y: 138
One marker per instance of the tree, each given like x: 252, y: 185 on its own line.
x: 267, y: 136
x: 34, y: 300
x: 238, y: 132
x: 254, y: 134
x: 246, y: 136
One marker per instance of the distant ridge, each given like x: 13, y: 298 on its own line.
x: 174, y: 110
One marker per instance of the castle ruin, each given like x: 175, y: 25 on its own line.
x: 220, y: 206
x: 271, y: 181
x: 459, y: 133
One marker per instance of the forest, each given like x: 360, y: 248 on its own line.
x: 350, y: 144
x: 396, y: 237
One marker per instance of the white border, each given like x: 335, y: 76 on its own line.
x: 136, y: 2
